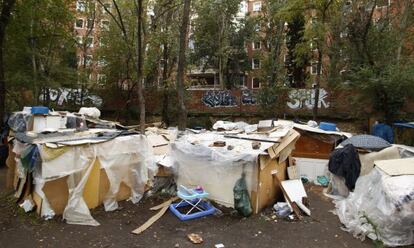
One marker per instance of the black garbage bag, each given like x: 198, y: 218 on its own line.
x: 241, y: 197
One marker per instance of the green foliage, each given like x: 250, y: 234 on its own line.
x: 40, y: 51
x: 272, y: 99
x: 378, y: 69
x: 219, y: 38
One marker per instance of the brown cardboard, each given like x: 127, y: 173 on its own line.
x: 268, y: 189
x: 11, y: 168
x: 57, y: 194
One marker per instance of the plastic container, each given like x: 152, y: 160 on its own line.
x: 40, y: 110
x: 327, y: 126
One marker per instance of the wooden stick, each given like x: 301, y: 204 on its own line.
x: 251, y: 139
x: 154, y: 218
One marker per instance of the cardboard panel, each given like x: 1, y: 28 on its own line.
x: 268, y: 188
x: 123, y: 193
x: 11, y: 168
x: 91, y: 190
x: 57, y: 194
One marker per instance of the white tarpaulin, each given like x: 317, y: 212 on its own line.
x: 216, y: 169
x: 381, y: 207
x: 125, y: 159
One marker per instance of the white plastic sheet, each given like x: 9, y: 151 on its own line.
x: 216, y: 169
x: 125, y: 159
x: 381, y: 207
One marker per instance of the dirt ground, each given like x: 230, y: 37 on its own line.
x: 18, y: 229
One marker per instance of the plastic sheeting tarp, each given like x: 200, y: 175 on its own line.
x: 318, y: 130
x: 216, y: 169
x: 381, y: 207
x: 125, y: 159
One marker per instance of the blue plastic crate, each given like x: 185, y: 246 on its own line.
x: 40, y: 110
x: 327, y: 126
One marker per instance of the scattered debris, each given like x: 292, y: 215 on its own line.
x: 195, y: 238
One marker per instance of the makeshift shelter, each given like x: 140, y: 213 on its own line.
x: 198, y: 160
x: 381, y: 207
x: 69, y: 171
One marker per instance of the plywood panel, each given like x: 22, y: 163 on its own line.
x: 268, y: 188
x: 310, y: 147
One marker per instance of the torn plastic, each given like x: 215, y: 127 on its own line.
x: 27, y: 205
x: 381, y: 207
x: 76, y: 211
x: 126, y: 160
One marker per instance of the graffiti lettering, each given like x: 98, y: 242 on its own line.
x: 63, y: 96
x: 305, y: 98
x: 248, y: 98
x: 221, y: 98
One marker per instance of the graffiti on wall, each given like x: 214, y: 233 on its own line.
x: 305, y: 99
x: 219, y: 98
x: 248, y: 97
x: 63, y: 96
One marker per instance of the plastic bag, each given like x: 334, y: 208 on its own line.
x: 241, y: 197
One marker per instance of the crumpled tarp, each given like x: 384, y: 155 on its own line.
x: 381, y: 207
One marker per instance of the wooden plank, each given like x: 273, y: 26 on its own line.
x: 287, y: 140
x: 154, y: 218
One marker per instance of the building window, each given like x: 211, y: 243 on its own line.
x: 101, y: 78
x: 255, y: 63
x: 314, y: 44
x: 255, y: 83
x: 101, y: 42
x: 314, y: 68
x: 79, y: 40
x: 80, y: 6
x: 105, y: 25
x: 88, y: 60
x: 256, y: 45
x: 102, y: 62
x: 257, y: 6
x: 105, y: 7
x: 89, y: 41
x: 79, y: 23
x: 90, y: 24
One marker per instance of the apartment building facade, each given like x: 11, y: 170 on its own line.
x: 90, y: 21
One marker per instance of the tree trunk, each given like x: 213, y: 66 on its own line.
x: 165, y: 100
x: 141, y: 99
x: 7, y: 6
x: 182, y: 119
x: 317, y: 85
